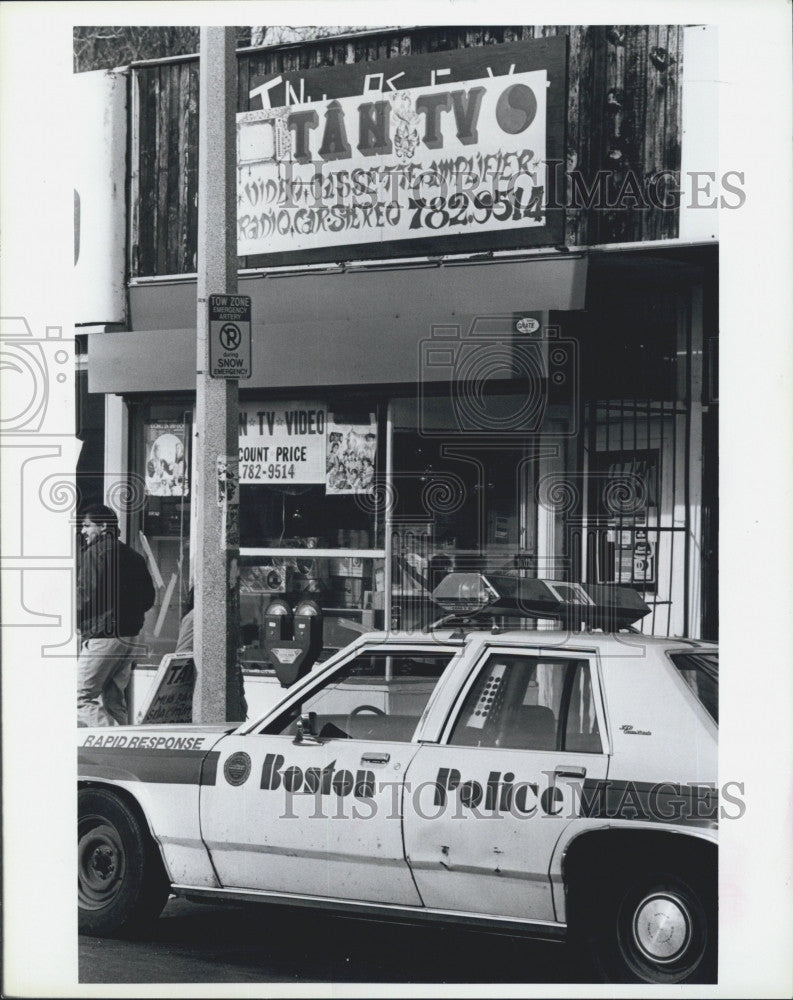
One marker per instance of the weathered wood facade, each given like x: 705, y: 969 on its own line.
x: 623, y: 116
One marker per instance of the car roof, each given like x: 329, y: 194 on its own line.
x: 457, y: 639
x: 534, y: 637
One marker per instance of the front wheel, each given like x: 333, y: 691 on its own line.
x: 658, y: 928
x: 121, y: 882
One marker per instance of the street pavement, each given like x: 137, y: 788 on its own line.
x: 202, y: 943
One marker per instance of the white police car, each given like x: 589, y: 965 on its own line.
x: 556, y: 783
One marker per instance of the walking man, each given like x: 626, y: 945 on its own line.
x: 115, y: 591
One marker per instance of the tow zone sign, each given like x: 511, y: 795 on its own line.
x: 230, y: 336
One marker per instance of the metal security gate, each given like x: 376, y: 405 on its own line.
x: 638, y: 519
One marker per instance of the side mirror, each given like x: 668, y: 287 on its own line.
x: 306, y: 727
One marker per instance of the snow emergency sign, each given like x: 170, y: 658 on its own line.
x: 230, y: 336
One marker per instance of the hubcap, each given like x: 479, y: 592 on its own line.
x: 101, y: 864
x: 662, y: 927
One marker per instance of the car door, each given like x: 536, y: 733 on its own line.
x: 485, y: 805
x: 322, y: 815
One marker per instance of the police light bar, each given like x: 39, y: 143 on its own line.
x: 605, y: 605
x: 466, y: 593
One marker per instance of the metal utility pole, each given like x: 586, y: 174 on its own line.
x: 216, y: 696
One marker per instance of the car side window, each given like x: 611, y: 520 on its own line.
x: 376, y: 696
x: 530, y: 703
x: 701, y: 672
x: 581, y: 731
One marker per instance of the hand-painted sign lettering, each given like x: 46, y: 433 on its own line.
x: 432, y: 149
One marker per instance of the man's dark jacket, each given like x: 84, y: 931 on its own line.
x: 114, y: 589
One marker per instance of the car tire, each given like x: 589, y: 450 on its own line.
x: 658, y: 927
x: 121, y: 882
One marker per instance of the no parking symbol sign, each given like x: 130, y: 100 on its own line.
x: 230, y: 336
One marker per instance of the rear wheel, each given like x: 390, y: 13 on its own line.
x: 121, y: 882
x: 658, y: 927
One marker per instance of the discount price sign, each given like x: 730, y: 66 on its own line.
x: 282, y: 443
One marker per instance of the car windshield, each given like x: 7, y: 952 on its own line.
x: 701, y: 672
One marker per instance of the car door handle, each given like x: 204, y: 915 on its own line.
x: 570, y: 772
x: 375, y: 758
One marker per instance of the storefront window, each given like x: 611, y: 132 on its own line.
x: 307, y: 474
x: 311, y: 521
x: 362, y: 505
x: 287, y: 517
x: 159, y: 518
x: 349, y: 589
x: 461, y: 502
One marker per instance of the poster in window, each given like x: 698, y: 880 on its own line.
x: 351, y: 455
x: 636, y: 559
x: 165, y: 460
x: 627, y: 484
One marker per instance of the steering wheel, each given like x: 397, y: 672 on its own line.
x: 366, y: 708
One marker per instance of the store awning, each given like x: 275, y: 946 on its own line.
x: 323, y: 329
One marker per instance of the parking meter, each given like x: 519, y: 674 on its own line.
x: 292, y: 641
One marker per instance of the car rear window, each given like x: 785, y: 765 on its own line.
x: 701, y: 672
